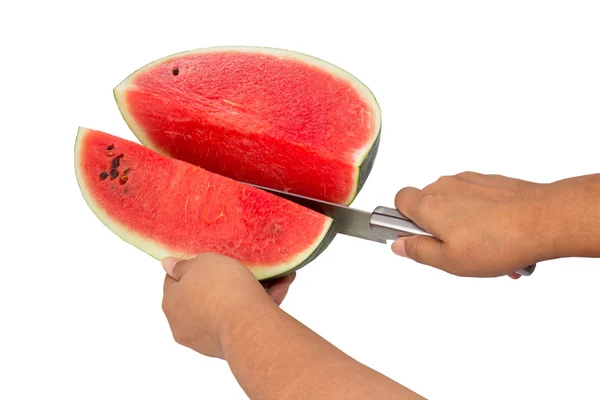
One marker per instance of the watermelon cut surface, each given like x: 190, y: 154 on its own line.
x: 271, y: 117
x: 167, y: 207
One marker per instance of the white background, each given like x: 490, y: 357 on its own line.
x: 509, y: 87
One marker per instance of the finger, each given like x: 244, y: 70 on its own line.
x: 169, y: 283
x: 278, y: 294
x: 280, y: 287
x: 177, y: 268
x: 514, y: 275
x: 422, y: 249
x: 287, y: 279
x: 269, y: 283
x: 407, y: 201
x: 168, y: 264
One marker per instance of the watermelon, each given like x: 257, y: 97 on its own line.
x: 167, y: 207
x: 266, y: 116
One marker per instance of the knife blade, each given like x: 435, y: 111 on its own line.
x: 379, y: 226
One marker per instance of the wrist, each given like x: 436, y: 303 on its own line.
x: 239, y: 316
x: 222, y: 299
x: 552, y: 240
x: 572, y: 217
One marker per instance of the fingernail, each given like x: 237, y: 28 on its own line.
x: 168, y: 264
x: 399, y: 248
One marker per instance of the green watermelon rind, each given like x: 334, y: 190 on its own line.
x: 365, y: 159
x: 365, y: 168
x: 158, y: 251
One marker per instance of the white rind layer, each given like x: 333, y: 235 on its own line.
x: 362, y: 89
x: 160, y: 251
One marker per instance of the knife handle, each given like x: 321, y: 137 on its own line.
x: 391, y: 224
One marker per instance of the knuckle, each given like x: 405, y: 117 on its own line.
x: 444, y: 179
x: 435, y: 188
x: 407, y: 199
x: 448, y: 181
x: 430, y: 189
x: 466, y: 174
x: 439, y: 185
x: 413, y: 250
x: 400, y: 196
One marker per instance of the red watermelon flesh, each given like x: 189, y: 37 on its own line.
x: 271, y: 117
x: 167, y: 207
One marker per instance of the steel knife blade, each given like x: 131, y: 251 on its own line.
x: 381, y: 225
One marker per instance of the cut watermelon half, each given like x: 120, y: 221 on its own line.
x: 166, y: 207
x: 266, y: 116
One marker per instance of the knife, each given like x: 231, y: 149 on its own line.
x: 379, y: 226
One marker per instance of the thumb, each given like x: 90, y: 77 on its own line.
x: 420, y: 248
x: 175, y: 267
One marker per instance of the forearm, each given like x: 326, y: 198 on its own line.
x: 273, y: 356
x: 574, y: 216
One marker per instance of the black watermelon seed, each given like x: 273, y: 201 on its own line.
x: 126, y: 171
x: 176, y: 71
x: 112, y: 146
x: 115, y: 162
x: 103, y: 175
x: 114, y: 173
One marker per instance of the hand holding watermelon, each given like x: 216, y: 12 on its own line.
x: 216, y: 307
x: 201, y: 295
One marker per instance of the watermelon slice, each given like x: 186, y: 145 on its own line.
x: 271, y: 117
x: 166, y: 207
